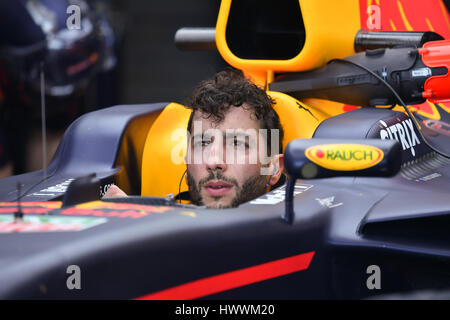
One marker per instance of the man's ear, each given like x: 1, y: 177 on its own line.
x: 278, y: 167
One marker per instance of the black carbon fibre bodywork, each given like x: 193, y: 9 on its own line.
x: 350, y: 223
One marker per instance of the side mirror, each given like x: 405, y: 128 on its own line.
x: 81, y: 190
x: 325, y: 158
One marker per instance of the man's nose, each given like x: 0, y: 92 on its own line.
x: 215, y: 157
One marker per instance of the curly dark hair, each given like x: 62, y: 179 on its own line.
x: 229, y: 88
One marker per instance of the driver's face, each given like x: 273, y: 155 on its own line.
x: 217, y: 181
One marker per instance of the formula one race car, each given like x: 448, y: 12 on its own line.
x: 366, y: 207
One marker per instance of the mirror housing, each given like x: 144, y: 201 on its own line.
x: 83, y: 189
x: 326, y: 158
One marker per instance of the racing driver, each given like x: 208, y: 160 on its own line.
x: 237, y: 136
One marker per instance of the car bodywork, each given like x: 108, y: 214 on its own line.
x: 346, y: 230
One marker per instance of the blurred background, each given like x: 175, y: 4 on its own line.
x: 151, y: 68
x: 126, y: 56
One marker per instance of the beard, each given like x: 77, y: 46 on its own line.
x: 252, y: 188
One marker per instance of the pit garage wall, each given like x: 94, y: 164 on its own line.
x: 151, y: 68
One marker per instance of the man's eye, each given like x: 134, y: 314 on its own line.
x: 202, y: 143
x: 239, y: 143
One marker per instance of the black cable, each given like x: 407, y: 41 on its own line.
x: 25, y: 193
x: 44, y: 147
x: 416, y: 126
x: 179, y: 186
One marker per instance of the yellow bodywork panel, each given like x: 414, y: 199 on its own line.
x: 298, y: 120
x: 129, y: 157
x: 330, y: 28
x: 163, y: 158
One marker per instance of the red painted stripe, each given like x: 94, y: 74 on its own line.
x: 234, y: 279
